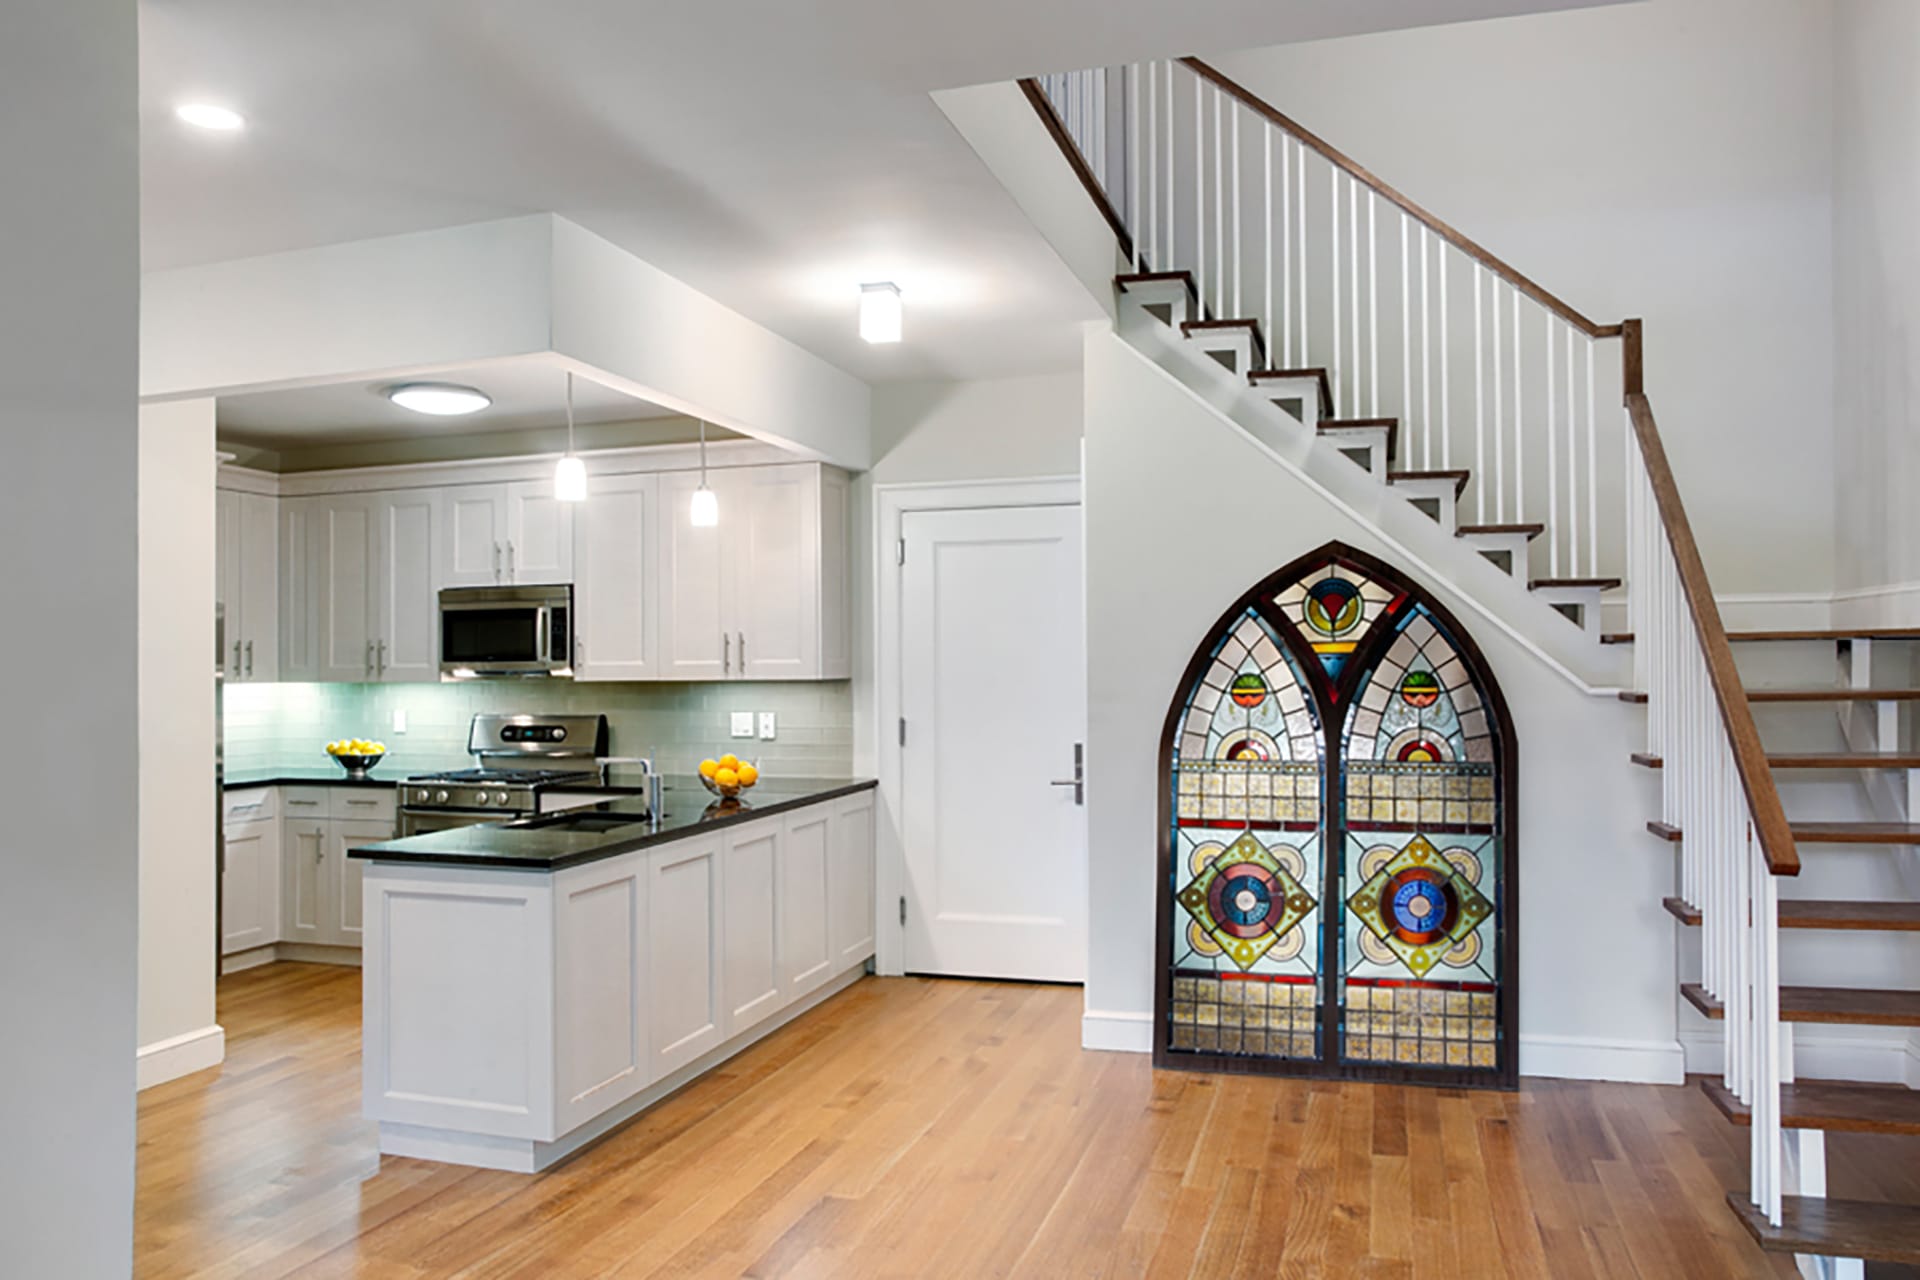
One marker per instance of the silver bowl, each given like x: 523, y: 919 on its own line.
x: 358, y: 767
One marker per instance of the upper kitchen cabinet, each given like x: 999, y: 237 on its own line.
x: 513, y: 534
x: 247, y: 583
x: 616, y: 580
x: 762, y: 595
x: 361, y: 572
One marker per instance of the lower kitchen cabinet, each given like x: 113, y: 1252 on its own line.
x: 750, y: 974
x: 250, y: 886
x: 320, y: 885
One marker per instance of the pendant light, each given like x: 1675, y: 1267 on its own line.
x: 570, y: 474
x: 704, y: 511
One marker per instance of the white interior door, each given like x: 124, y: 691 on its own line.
x: 993, y: 693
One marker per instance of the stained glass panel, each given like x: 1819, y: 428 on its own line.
x: 1334, y: 607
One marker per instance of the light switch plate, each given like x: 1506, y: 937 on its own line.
x: 766, y: 726
x: 743, y: 724
x: 399, y: 719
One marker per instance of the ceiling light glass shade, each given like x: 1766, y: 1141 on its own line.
x: 704, y: 511
x: 441, y: 399
x: 204, y: 115
x: 880, y: 312
x: 570, y: 479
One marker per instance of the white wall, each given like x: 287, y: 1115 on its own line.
x: 1183, y: 514
x: 69, y: 273
x: 1668, y: 160
x: 177, y: 658
x: 1877, y: 309
x: 1005, y: 428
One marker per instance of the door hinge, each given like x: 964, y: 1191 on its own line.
x: 903, y: 908
x: 900, y: 551
x: 903, y: 731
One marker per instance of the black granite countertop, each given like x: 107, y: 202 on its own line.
x: 319, y: 775
x: 555, y: 841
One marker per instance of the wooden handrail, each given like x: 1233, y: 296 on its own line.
x: 1341, y: 160
x: 1057, y: 127
x: 1770, y: 825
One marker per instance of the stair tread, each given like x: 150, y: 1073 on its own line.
x: 1459, y: 477
x: 1531, y: 530
x: 1634, y: 696
x: 1816, y: 760
x: 1837, y: 693
x: 1316, y: 372
x: 1616, y: 637
x: 1857, y: 1006
x: 1835, y: 1228
x: 1824, y: 913
x: 1828, y: 832
x: 1604, y: 584
x: 1830, y: 1104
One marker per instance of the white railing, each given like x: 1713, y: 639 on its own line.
x: 1484, y: 369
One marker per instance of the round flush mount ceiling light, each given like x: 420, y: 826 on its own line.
x: 880, y: 312
x: 441, y: 399
x: 206, y: 115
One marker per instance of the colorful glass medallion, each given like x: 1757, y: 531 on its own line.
x: 1420, y: 689
x: 1333, y: 607
x: 1249, y: 689
x: 1246, y: 900
x: 1418, y: 750
x: 1253, y: 747
x: 1420, y: 906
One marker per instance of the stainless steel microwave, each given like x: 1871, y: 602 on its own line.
x: 506, y: 631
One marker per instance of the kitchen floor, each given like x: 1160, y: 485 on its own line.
x: 911, y: 1127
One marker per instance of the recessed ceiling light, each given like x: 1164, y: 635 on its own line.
x: 880, y: 312
x: 441, y: 399
x: 205, y: 115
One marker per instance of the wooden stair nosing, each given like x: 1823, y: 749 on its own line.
x: 1616, y: 637
x: 1604, y: 584
x: 1458, y: 476
x: 1841, y: 1106
x: 1850, y: 1006
x: 1827, y: 832
x: 1636, y: 696
x: 1838, y: 693
x: 1835, y: 1228
x: 1189, y: 327
x: 1824, y: 913
x: 1763, y: 637
x: 1816, y: 760
x: 1317, y: 373
x: 1531, y: 530
x: 1154, y: 277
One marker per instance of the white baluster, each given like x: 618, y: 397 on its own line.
x: 1200, y: 196
x: 1239, y: 267
x: 1286, y: 254
x: 1553, y: 464
x: 1300, y: 196
x: 1333, y: 225
x: 1573, y: 457
x: 1266, y: 164
x: 1406, y: 333
x: 1136, y: 225
x: 1519, y: 422
x: 1152, y: 225
x: 1479, y: 400
x: 1593, y: 471
x: 1221, y: 248
x: 1173, y: 169
x: 1499, y: 409
x: 1426, y: 360
x: 1373, y: 306
x: 1446, y: 383
x: 1353, y: 283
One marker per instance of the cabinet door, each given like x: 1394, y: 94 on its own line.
x: 345, y: 563
x: 299, y: 590
x: 696, y: 639
x: 411, y: 522
x: 346, y: 923
x: 249, y: 898
x: 750, y: 971
x: 615, y: 582
x: 304, y: 884
x: 539, y: 535
x: 256, y: 529
x: 476, y: 516
x: 774, y: 583
x: 850, y: 882
x: 226, y: 578
x: 836, y: 575
x: 686, y: 1014
x: 803, y: 888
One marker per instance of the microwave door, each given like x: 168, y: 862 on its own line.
x: 490, y: 638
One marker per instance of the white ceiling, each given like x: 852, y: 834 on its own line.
x: 526, y: 395
x: 773, y: 155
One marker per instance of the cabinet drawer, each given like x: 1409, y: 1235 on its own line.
x: 302, y: 804
x: 255, y: 805
x: 361, y: 803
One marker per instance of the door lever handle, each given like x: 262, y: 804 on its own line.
x: 1079, y: 779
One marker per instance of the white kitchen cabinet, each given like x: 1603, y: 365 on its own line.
x: 686, y: 1009
x: 345, y: 927
x: 803, y: 888
x: 512, y: 534
x: 250, y: 882
x: 306, y: 891
x: 247, y: 583
x: 361, y: 575
x: 407, y: 582
x: 616, y: 580
x: 762, y: 595
x: 320, y: 896
x: 850, y: 910
x: 750, y: 968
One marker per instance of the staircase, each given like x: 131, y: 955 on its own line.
x: 1370, y: 329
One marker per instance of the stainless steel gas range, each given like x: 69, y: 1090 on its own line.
x: 516, y: 757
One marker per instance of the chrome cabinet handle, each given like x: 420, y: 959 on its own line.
x: 743, y: 652
x: 369, y: 657
x: 496, y: 562
x: 510, y: 569
x: 319, y: 845
x: 249, y: 659
x: 726, y: 654
x: 236, y: 657
x: 364, y: 803
x: 382, y: 659
x: 1079, y: 779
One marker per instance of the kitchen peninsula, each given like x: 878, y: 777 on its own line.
x: 530, y: 986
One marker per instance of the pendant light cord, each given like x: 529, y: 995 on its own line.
x: 569, y: 413
x: 703, y: 453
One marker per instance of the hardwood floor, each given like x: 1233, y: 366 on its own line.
x: 920, y: 1128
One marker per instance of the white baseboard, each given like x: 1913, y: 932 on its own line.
x: 1868, y: 1059
x: 1594, y: 1058
x: 301, y: 952
x: 180, y: 1055
x: 1116, y: 1032
x: 1897, y: 604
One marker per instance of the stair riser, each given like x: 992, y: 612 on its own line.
x: 1506, y: 551
x: 1585, y: 601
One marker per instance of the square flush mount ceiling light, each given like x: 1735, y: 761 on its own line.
x: 880, y: 312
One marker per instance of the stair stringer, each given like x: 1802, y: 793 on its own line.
x: 1411, y: 535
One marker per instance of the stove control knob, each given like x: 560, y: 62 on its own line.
x: 440, y: 797
x: 420, y: 797
x: 502, y: 797
x: 480, y: 797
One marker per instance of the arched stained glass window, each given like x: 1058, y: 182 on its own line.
x: 1338, y: 863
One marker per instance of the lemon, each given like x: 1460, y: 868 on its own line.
x: 379, y: 748
x: 729, y: 761
x: 708, y: 768
x: 748, y: 775
x: 726, y: 779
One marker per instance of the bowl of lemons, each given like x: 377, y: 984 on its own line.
x: 356, y: 755
x: 728, y: 776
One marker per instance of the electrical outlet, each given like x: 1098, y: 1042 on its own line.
x: 399, y: 719
x: 766, y: 726
x: 743, y: 724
